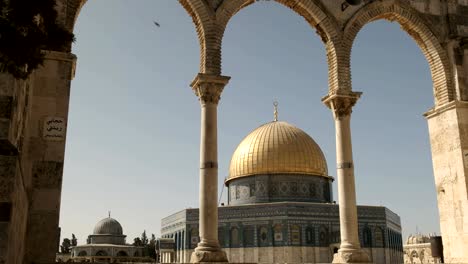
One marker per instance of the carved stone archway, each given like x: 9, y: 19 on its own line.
x: 421, y: 32
x: 440, y: 28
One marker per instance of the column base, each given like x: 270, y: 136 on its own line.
x: 208, y: 251
x: 351, y: 256
x: 208, y: 256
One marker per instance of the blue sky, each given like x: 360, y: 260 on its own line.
x: 134, y: 123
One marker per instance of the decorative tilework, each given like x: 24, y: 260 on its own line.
x: 279, y: 188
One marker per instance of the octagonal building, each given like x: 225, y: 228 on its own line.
x: 280, y: 206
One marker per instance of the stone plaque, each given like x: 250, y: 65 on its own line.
x: 465, y: 158
x: 54, y: 128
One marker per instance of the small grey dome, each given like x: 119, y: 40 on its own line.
x: 108, y: 226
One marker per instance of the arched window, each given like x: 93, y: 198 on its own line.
x: 323, y: 237
x: 101, y: 253
x: 249, y: 236
x: 366, y: 237
x: 310, y: 236
x: 234, y: 237
x: 122, y: 254
x: 136, y: 254
x: 379, y: 237
x: 263, y: 236
x: 82, y: 253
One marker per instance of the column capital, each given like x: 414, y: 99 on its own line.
x: 341, y: 103
x: 208, y: 87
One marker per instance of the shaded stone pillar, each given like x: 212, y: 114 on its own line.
x: 44, y: 154
x: 350, y: 251
x: 208, y: 88
x: 448, y: 133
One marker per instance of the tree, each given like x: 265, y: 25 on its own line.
x: 137, y: 242
x: 144, y: 239
x: 74, y: 241
x: 151, y: 248
x: 27, y: 28
x: 65, y: 247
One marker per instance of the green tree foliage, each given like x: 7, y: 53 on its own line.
x: 65, y: 247
x: 27, y: 28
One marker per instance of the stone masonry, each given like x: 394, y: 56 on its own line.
x: 34, y: 113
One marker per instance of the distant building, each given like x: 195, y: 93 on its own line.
x: 107, y: 244
x: 280, y: 207
x: 418, y: 250
x: 165, y: 250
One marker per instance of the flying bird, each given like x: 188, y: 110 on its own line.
x: 157, y: 24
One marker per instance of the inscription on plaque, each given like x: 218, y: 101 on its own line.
x: 54, y: 128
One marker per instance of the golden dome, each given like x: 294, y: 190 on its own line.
x: 277, y: 148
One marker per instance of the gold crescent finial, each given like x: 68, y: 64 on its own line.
x: 275, y: 104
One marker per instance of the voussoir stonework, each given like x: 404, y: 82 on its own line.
x: 32, y: 165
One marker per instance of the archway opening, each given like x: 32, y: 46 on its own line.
x: 130, y: 69
x: 390, y: 139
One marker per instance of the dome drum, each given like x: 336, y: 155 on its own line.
x: 279, y: 188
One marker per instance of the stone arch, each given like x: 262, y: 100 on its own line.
x: 311, y: 11
x: 419, y: 30
x: 203, y: 17
x: 315, y: 15
x: 122, y: 253
x: 73, y: 8
x: 101, y: 253
x: 82, y: 253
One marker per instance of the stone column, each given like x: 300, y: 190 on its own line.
x: 341, y: 104
x: 183, y: 246
x: 208, y: 88
x: 179, y: 248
